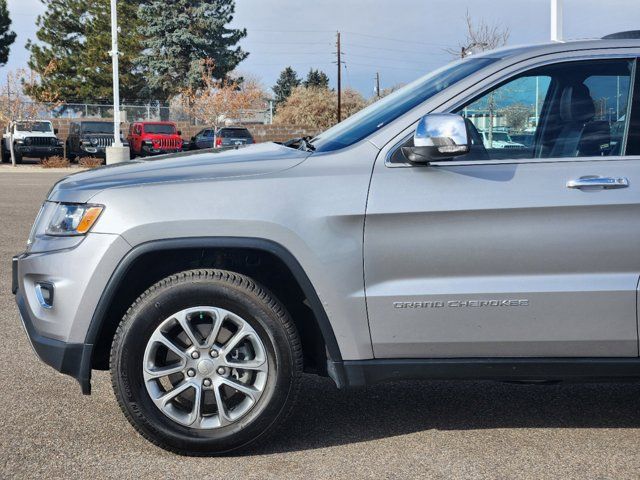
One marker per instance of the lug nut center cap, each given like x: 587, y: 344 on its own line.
x: 206, y: 367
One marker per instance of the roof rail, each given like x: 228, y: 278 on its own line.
x: 629, y: 34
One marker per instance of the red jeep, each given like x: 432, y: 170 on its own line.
x: 154, y: 138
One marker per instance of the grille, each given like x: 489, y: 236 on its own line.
x: 104, y: 141
x: 39, y: 141
x: 168, y: 143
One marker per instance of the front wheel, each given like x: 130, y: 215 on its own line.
x: 206, y: 362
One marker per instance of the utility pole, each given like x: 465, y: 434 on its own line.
x: 556, y: 20
x: 339, y: 79
x: 378, y: 84
x: 117, y: 152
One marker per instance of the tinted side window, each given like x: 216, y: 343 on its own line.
x: 576, y: 109
x: 633, y: 137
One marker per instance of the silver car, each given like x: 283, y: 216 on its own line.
x: 394, y: 245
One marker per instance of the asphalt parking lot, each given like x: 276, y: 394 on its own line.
x: 397, y: 430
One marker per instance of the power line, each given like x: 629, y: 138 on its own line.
x: 289, y: 43
x: 378, y: 37
x: 377, y: 57
x: 370, y: 47
x: 288, y: 53
x: 291, y: 31
x: 386, y: 66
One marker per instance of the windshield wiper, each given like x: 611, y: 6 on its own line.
x: 302, y: 143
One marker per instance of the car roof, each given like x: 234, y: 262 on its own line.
x: 528, y: 51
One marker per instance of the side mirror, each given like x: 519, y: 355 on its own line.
x: 179, y: 133
x: 439, y: 136
x: 55, y: 131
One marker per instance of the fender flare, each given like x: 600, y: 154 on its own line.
x: 334, y: 357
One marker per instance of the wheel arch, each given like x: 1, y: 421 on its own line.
x: 196, y: 249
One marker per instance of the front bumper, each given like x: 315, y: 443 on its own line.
x: 39, y: 151
x: 72, y: 359
x: 77, y: 276
x: 98, y: 152
x: 147, y: 150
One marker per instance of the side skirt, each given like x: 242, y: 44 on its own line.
x: 367, y: 372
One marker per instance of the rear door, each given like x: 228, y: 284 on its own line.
x: 525, y: 248
x: 205, y: 139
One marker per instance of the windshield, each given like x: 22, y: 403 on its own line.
x: 97, y: 127
x: 159, y: 128
x: 500, y: 137
x: 386, y: 110
x: 34, y: 127
x: 234, y: 133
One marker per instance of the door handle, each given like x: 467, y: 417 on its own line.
x: 595, y: 182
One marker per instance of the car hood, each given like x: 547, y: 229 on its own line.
x: 20, y: 135
x: 257, y: 159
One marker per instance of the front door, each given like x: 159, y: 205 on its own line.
x: 528, y: 245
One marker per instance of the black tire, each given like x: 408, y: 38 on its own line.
x: 18, y: 156
x: 6, y: 155
x: 223, y: 289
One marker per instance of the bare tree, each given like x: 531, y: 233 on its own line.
x: 480, y: 36
x: 517, y: 115
x: 219, y: 101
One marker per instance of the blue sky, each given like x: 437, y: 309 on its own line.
x: 400, y: 39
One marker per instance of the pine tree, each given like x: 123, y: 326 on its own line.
x: 316, y: 79
x: 72, y: 53
x: 179, y: 36
x: 287, y: 81
x: 7, y: 37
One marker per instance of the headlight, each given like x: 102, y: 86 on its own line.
x: 94, y: 141
x: 54, y: 141
x: 73, y: 219
x: 148, y: 142
x: 27, y: 141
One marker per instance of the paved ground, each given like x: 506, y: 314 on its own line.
x: 400, y: 430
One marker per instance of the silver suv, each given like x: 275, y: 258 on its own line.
x: 395, y: 245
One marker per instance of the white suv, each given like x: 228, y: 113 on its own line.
x: 31, y: 138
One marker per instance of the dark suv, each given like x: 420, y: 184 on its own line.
x: 89, y: 139
x: 223, y: 137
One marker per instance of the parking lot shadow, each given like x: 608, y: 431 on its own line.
x: 328, y: 417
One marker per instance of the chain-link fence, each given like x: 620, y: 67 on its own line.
x: 152, y: 111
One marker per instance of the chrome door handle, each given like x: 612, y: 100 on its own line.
x: 595, y: 181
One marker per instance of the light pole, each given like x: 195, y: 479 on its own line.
x: 556, y: 20
x: 116, y: 152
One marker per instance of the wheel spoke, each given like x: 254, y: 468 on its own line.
x: 223, y: 415
x: 259, y: 365
x: 233, y: 342
x: 160, y: 337
x: 170, y: 395
x: 217, y: 324
x: 159, y: 372
x: 184, y: 322
x: 196, y: 413
x: 249, y: 391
